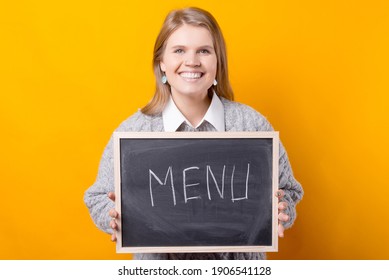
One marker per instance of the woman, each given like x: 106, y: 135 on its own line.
x: 193, y: 93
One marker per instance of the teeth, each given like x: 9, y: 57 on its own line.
x: 190, y: 75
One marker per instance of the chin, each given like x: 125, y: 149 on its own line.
x: 195, y: 93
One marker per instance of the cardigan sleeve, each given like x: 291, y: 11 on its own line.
x: 286, y: 181
x: 96, y: 197
x: 291, y: 187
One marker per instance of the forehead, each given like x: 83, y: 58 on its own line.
x: 191, y: 36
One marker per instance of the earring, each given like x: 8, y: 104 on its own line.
x: 215, y: 82
x: 164, y: 79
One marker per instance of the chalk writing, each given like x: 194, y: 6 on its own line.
x: 209, y: 173
x: 190, y: 185
x: 169, y: 171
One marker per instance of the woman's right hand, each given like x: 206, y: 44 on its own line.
x: 113, y: 214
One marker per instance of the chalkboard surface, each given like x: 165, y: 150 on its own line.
x: 196, y: 192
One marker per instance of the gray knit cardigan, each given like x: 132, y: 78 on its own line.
x: 238, y: 117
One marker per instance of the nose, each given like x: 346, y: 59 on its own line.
x: 191, y: 59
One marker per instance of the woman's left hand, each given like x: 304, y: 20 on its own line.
x: 282, y: 217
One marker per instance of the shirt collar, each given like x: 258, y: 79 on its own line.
x: 173, y: 118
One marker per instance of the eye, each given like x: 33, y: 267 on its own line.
x: 204, y: 51
x: 179, y: 51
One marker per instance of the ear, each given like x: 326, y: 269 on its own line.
x: 162, y: 66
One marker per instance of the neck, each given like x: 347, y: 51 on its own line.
x: 193, y: 109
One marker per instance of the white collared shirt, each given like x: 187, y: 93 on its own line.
x: 173, y: 118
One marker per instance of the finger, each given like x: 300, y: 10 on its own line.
x: 280, y: 194
x: 111, y: 196
x: 113, y: 224
x: 280, y: 230
x: 283, y: 205
x: 283, y: 217
x: 113, y: 237
x: 113, y: 214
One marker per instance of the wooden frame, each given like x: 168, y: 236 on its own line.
x: 118, y: 136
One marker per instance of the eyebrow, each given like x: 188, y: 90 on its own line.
x: 201, y: 47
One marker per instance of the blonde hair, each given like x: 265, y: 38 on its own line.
x: 174, y: 20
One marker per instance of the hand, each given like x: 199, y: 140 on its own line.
x: 282, y: 217
x: 113, y: 214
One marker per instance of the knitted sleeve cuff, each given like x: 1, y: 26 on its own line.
x: 291, y: 187
x: 290, y: 210
x: 106, y: 219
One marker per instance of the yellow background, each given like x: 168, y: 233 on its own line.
x: 71, y: 71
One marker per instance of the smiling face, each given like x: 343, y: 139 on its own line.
x: 189, y: 62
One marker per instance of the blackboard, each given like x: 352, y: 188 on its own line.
x: 196, y: 191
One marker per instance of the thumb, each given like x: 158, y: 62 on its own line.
x: 111, y: 196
